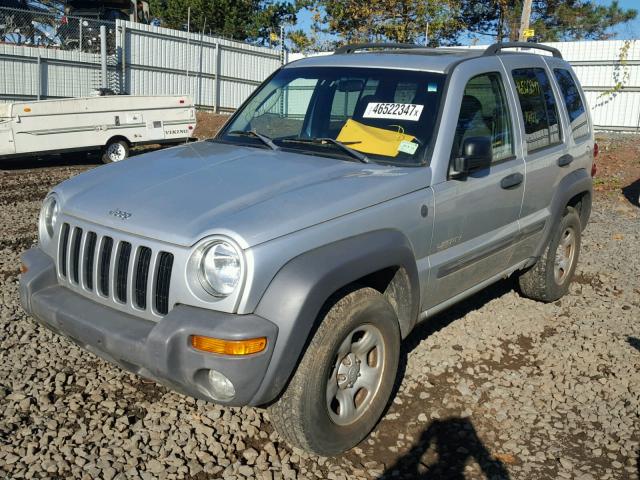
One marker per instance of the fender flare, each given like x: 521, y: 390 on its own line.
x: 296, y: 295
x: 577, y: 182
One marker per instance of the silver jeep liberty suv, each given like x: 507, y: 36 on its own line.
x: 281, y: 263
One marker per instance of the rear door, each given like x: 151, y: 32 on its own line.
x: 547, y: 157
x: 476, y: 217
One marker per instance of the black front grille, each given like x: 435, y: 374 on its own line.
x: 122, y: 271
x: 105, y: 261
x: 85, y: 255
x: 75, y: 254
x: 163, y: 281
x: 64, y: 245
x: 142, y: 277
x: 89, y: 257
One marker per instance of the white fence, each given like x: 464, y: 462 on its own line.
x: 219, y: 74
x: 33, y: 73
x: 600, y: 66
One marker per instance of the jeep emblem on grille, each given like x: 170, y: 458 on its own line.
x: 120, y: 214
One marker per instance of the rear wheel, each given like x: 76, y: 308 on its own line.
x: 345, y: 378
x: 115, y: 151
x: 550, y: 277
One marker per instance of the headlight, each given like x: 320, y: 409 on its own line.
x: 220, y: 268
x: 49, y: 215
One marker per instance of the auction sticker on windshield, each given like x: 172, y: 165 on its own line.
x: 396, y: 111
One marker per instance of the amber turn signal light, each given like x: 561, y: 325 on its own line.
x: 23, y: 268
x: 228, y: 347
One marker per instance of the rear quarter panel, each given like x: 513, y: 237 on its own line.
x: 580, y: 140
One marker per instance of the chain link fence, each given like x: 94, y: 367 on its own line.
x: 39, y: 28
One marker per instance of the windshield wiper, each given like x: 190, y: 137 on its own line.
x: 330, y: 141
x: 252, y: 133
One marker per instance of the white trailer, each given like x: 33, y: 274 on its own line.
x: 112, y: 123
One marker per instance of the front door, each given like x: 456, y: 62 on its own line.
x: 476, y: 217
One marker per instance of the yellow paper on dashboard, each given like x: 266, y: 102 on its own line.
x: 366, y: 139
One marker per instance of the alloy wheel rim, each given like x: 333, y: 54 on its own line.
x: 115, y: 152
x: 565, y: 255
x: 356, y: 374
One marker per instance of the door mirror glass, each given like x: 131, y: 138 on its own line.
x: 477, y: 153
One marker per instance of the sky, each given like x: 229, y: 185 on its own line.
x: 627, y: 31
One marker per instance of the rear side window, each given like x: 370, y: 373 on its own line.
x: 573, y: 101
x: 541, y: 123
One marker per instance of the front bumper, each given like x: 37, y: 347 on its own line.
x: 158, y: 350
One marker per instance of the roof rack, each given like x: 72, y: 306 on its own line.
x: 496, y: 47
x: 367, y: 46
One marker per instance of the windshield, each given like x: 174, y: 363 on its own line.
x: 385, y: 115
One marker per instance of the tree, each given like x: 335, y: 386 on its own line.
x: 269, y: 18
x: 552, y: 20
x: 299, y: 41
x: 348, y: 21
x: 556, y: 20
x: 386, y: 20
x: 251, y: 20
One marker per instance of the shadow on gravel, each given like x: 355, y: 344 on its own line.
x: 635, y: 343
x: 457, y: 311
x: 632, y: 193
x: 443, y: 451
x: 63, y: 160
x: 454, y: 439
x: 67, y: 159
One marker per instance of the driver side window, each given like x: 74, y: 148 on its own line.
x: 484, y: 112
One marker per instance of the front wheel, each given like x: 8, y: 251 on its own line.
x: 550, y: 277
x: 115, y: 151
x: 344, y: 381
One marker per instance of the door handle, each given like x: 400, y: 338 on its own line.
x: 511, y: 181
x: 565, y: 160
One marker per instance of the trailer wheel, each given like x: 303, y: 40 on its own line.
x: 115, y: 151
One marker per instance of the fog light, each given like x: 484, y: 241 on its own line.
x: 221, y: 387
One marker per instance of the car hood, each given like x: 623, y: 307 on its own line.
x: 182, y: 194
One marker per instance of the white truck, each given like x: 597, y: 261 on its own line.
x: 112, y: 123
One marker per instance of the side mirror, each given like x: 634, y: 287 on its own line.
x: 477, y: 153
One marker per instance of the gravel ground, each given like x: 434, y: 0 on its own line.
x: 497, y: 387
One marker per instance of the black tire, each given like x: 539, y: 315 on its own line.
x: 541, y: 282
x: 302, y: 414
x: 119, y: 145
